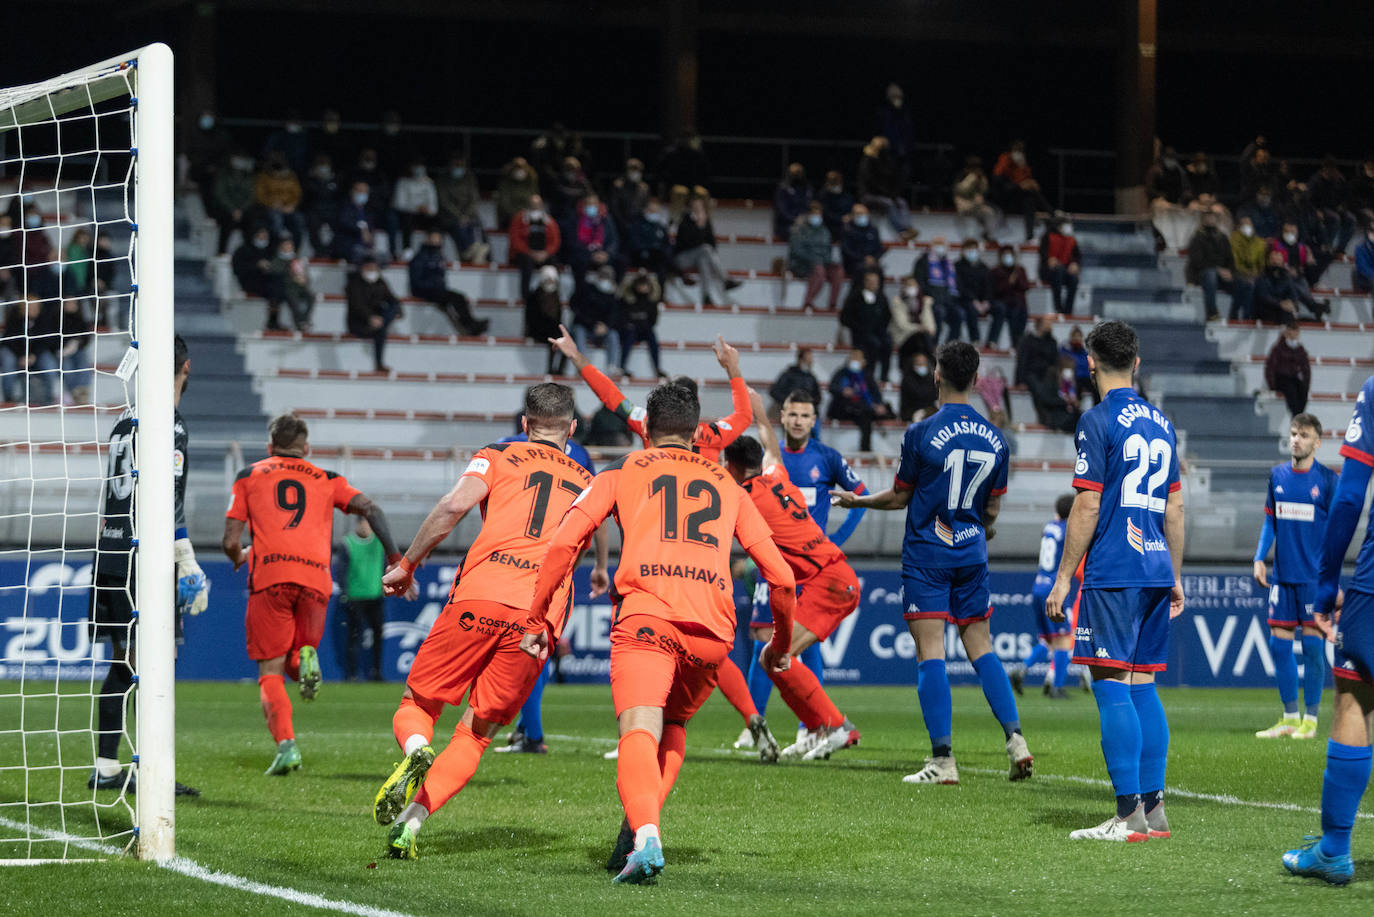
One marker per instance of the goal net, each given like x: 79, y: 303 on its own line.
x: 85, y: 300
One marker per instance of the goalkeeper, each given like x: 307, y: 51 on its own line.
x: 112, y: 590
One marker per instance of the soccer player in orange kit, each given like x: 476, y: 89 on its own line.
x: 675, y: 622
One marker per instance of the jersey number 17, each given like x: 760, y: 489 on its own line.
x: 961, y: 497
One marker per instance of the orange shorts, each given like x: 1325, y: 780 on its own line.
x: 476, y: 644
x: 827, y: 599
x: 283, y: 617
x: 658, y: 663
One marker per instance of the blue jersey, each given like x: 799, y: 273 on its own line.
x: 1359, y: 447
x: 1051, y: 550
x: 953, y: 460
x: 1127, y: 451
x: 575, y: 451
x: 815, y: 469
x: 1297, y: 502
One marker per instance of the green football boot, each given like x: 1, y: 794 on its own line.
x: 400, y: 788
x: 288, y: 759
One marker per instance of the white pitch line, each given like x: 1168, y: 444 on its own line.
x: 193, y: 870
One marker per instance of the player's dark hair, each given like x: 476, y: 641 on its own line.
x: 1308, y: 420
x: 1114, y: 345
x: 1063, y: 506
x: 688, y: 383
x: 800, y: 396
x: 673, y: 411
x: 549, y: 403
x: 746, y: 452
x: 287, y: 433
x: 958, y: 364
x: 180, y: 354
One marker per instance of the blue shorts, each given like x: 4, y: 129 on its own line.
x: 956, y: 594
x: 1125, y: 629
x: 762, y: 614
x: 1354, y: 659
x: 1290, y: 604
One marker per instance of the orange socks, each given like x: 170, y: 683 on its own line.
x: 276, y: 706
x: 731, y: 682
x: 293, y: 664
x: 804, y: 695
x: 637, y: 777
x: 671, y: 750
x: 453, y: 768
x: 412, y: 719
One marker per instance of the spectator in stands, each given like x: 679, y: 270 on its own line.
x: 1257, y: 171
x: 380, y: 212
x: 855, y: 397
x: 291, y: 284
x: 694, y: 249
x: 1276, y: 297
x: 1075, y: 351
x: 797, y: 377
x: 881, y: 188
x: 320, y: 203
x: 1211, y: 263
x: 355, y: 231
x: 647, y: 243
x: 867, y: 314
x: 607, y: 428
x: 393, y: 148
x: 935, y: 274
x: 457, y: 195
x: 1168, y: 189
x: 809, y: 256
x: 920, y: 395
x: 683, y: 168
x: 330, y: 139
x: 1009, y: 285
x: 629, y: 196
x: 836, y: 203
x: 1263, y: 215
x: 290, y: 141
x: 570, y: 187
x: 547, y: 152
x: 1288, y: 371
x: 591, y: 236
x: 516, y: 189
x: 991, y: 387
x: 372, y: 307
x: 1037, y: 368
x: 1362, y: 193
x: 1249, y: 253
x: 895, y: 125
x: 277, y: 191
x: 860, y: 247
x: 640, y: 298
x: 1060, y: 264
x: 416, y: 202
x: 1329, y: 194
x: 231, y: 202
x: 535, y: 240
x: 207, y: 148
x: 1362, y: 277
x: 1311, y: 232
x: 1301, y: 266
x: 252, y: 264
x: 596, y: 314
x: 544, y: 315
x: 913, y: 328
x: 77, y: 351
x: 1202, y: 178
x: 78, y: 274
x: 974, y: 298
x: 1014, y: 187
x: 970, y: 198
x: 791, y: 199
x: 428, y: 281
x: 28, y: 352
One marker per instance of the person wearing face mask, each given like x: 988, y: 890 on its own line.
x: 860, y: 246
x: 694, y: 248
x: 1297, y: 257
x: 1249, y: 253
x: 291, y: 283
x: 252, y: 265
x: 974, y: 293
x: 291, y: 142
x: 1288, y: 369
x: 894, y: 123
x: 518, y: 183
x: 640, y: 297
x: 809, y: 256
x: 882, y: 188
x: 867, y: 314
x: 855, y: 397
x: 372, y: 307
x: 1060, y: 264
x: 934, y: 272
x: 277, y: 192
x: 428, y: 281
x: 1362, y: 277
x: 1257, y: 170
x: 568, y: 186
x: 1009, y: 284
x: 1014, y: 187
x: 597, y: 314
x: 1075, y: 352
x: 535, y: 240
x: 355, y: 229
x: 629, y: 196
x: 369, y: 170
x: 456, y: 189
x: 920, y: 395
x: 1263, y: 215
x: 544, y: 316
x: 415, y: 202
x: 836, y: 203
x: 592, y: 238
x: 1276, y: 297
x: 791, y: 199
x: 647, y: 244
x: 1211, y: 263
x: 913, y: 328
x: 1169, y: 191
x: 970, y: 198
x: 232, y: 198
x: 320, y: 206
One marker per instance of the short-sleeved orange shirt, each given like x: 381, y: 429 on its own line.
x: 711, y: 436
x: 530, y: 487
x: 678, y: 512
x: 288, y: 504
x: 803, y: 544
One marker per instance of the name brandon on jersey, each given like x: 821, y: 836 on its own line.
x: 682, y: 571
x: 1131, y: 412
x: 653, y: 456
x: 952, y: 429
x: 295, y: 467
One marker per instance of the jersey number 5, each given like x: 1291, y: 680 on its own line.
x: 1145, y: 452
x: 696, y: 489
x: 961, y: 497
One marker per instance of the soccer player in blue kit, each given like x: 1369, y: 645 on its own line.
x: 1348, y: 750
x: 1295, y: 510
x: 1128, y: 517
x: 950, y: 481
x: 1056, y: 636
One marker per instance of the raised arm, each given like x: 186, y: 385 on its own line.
x: 1078, y: 535
x: 447, y: 513
x: 772, y: 452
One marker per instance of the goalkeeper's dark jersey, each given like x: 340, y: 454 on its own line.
x: 116, y: 529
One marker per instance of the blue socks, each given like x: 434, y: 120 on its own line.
x: 531, y: 715
x: 811, y: 658
x: 937, y: 707
x: 1121, y: 741
x: 760, y: 685
x: 1314, y: 672
x: 1061, y: 668
x: 1037, y: 656
x: 1285, y: 673
x: 1154, y: 741
x: 997, y: 689
x: 1343, y: 783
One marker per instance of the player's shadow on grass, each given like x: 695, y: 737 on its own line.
x: 1070, y: 819
x: 506, y: 837
x: 680, y: 855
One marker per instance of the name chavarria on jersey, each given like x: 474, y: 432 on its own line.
x: 954, y: 460
x: 1298, y: 502
x: 1128, y: 452
x: 816, y: 469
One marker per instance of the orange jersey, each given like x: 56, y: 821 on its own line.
x: 288, y: 504
x: 678, y: 512
x: 710, y: 438
x: 803, y: 544
x: 530, y: 487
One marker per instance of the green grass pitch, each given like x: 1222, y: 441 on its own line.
x: 530, y: 833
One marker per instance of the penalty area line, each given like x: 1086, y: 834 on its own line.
x: 193, y: 870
